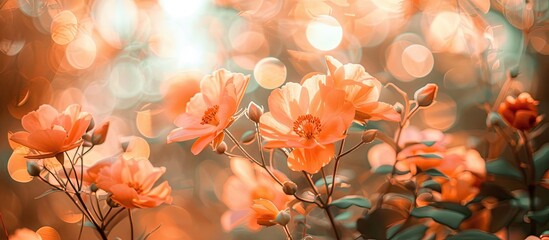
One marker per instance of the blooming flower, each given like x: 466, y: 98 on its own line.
x: 25, y: 234
x: 49, y: 132
x: 249, y: 183
x: 130, y: 181
x: 309, y: 118
x: 361, y: 89
x: 521, y: 112
x: 210, y: 111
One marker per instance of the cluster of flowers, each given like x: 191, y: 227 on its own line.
x: 429, y: 185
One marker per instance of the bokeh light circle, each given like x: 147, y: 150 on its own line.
x: 270, y: 73
x: 417, y: 60
x: 324, y: 33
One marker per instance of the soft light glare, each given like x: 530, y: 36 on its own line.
x: 324, y: 33
x: 179, y: 9
x: 270, y: 73
x: 417, y: 60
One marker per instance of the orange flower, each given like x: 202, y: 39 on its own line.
x: 308, y: 117
x: 249, y: 182
x: 130, y: 181
x: 361, y: 89
x: 265, y: 212
x: 521, y: 113
x: 25, y: 234
x: 210, y: 111
x: 49, y: 132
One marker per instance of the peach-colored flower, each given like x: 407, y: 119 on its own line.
x: 25, y: 234
x: 308, y: 117
x: 130, y: 181
x: 49, y: 132
x: 521, y: 112
x: 361, y: 89
x: 249, y: 182
x: 265, y: 212
x: 210, y: 111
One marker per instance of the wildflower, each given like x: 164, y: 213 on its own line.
x: 210, y: 111
x: 49, y: 132
x: 130, y: 181
x: 361, y: 89
x: 265, y: 212
x: 308, y: 118
x: 249, y: 182
x: 521, y: 112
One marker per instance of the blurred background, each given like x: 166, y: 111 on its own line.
x: 136, y: 63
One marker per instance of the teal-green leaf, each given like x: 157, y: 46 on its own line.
x: 387, y: 169
x: 348, y: 201
x: 473, y: 235
x: 411, y: 233
x: 429, y: 143
x: 431, y: 184
x: 426, y: 155
x: 540, y: 216
x: 434, y: 173
x: 502, y: 167
x: 541, y: 161
x: 46, y: 193
x: 443, y: 216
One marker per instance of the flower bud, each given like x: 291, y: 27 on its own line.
x: 93, y: 187
x: 221, y: 148
x: 33, y: 169
x: 283, y: 218
x: 426, y: 95
x: 254, y: 112
x: 289, y: 187
x: 369, y: 136
x: 91, y: 126
x: 100, y: 134
x: 87, y: 137
x: 493, y: 119
x: 398, y: 107
x: 112, y: 203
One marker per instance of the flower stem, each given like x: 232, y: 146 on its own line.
x: 287, y: 231
x: 323, y: 205
x: 131, y: 222
x: 532, y: 178
x: 230, y: 135
x: 4, y: 225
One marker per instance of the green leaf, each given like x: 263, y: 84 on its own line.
x: 447, y: 217
x: 541, y: 161
x: 46, y: 193
x: 473, y: 235
x: 351, y: 200
x: 502, y: 167
x: 431, y: 184
x: 540, y: 216
x: 434, y: 173
x: 454, y: 207
x: 89, y: 224
x: 488, y: 189
x: 503, y: 214
x: 411, y: 233
x: 344, y: 216
x: 374, y: 225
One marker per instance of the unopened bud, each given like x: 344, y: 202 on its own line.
x: 493, y: 120
x: 93, y: 187
x: 369, y: 135
x: 254, y: 112
x: 283, y: 218
x: 100, y: 134
x: 112, y: 203
x: 289, y: 187
x: 91, y: 126
x: 87, y: 137
x: 426, y: 95
x: 398, y: 108
x: 33, y: 169
x: 221, y: 148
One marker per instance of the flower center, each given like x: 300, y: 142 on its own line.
x: 307, y: 126
x: 210, y: 116
x: 136, y: 186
